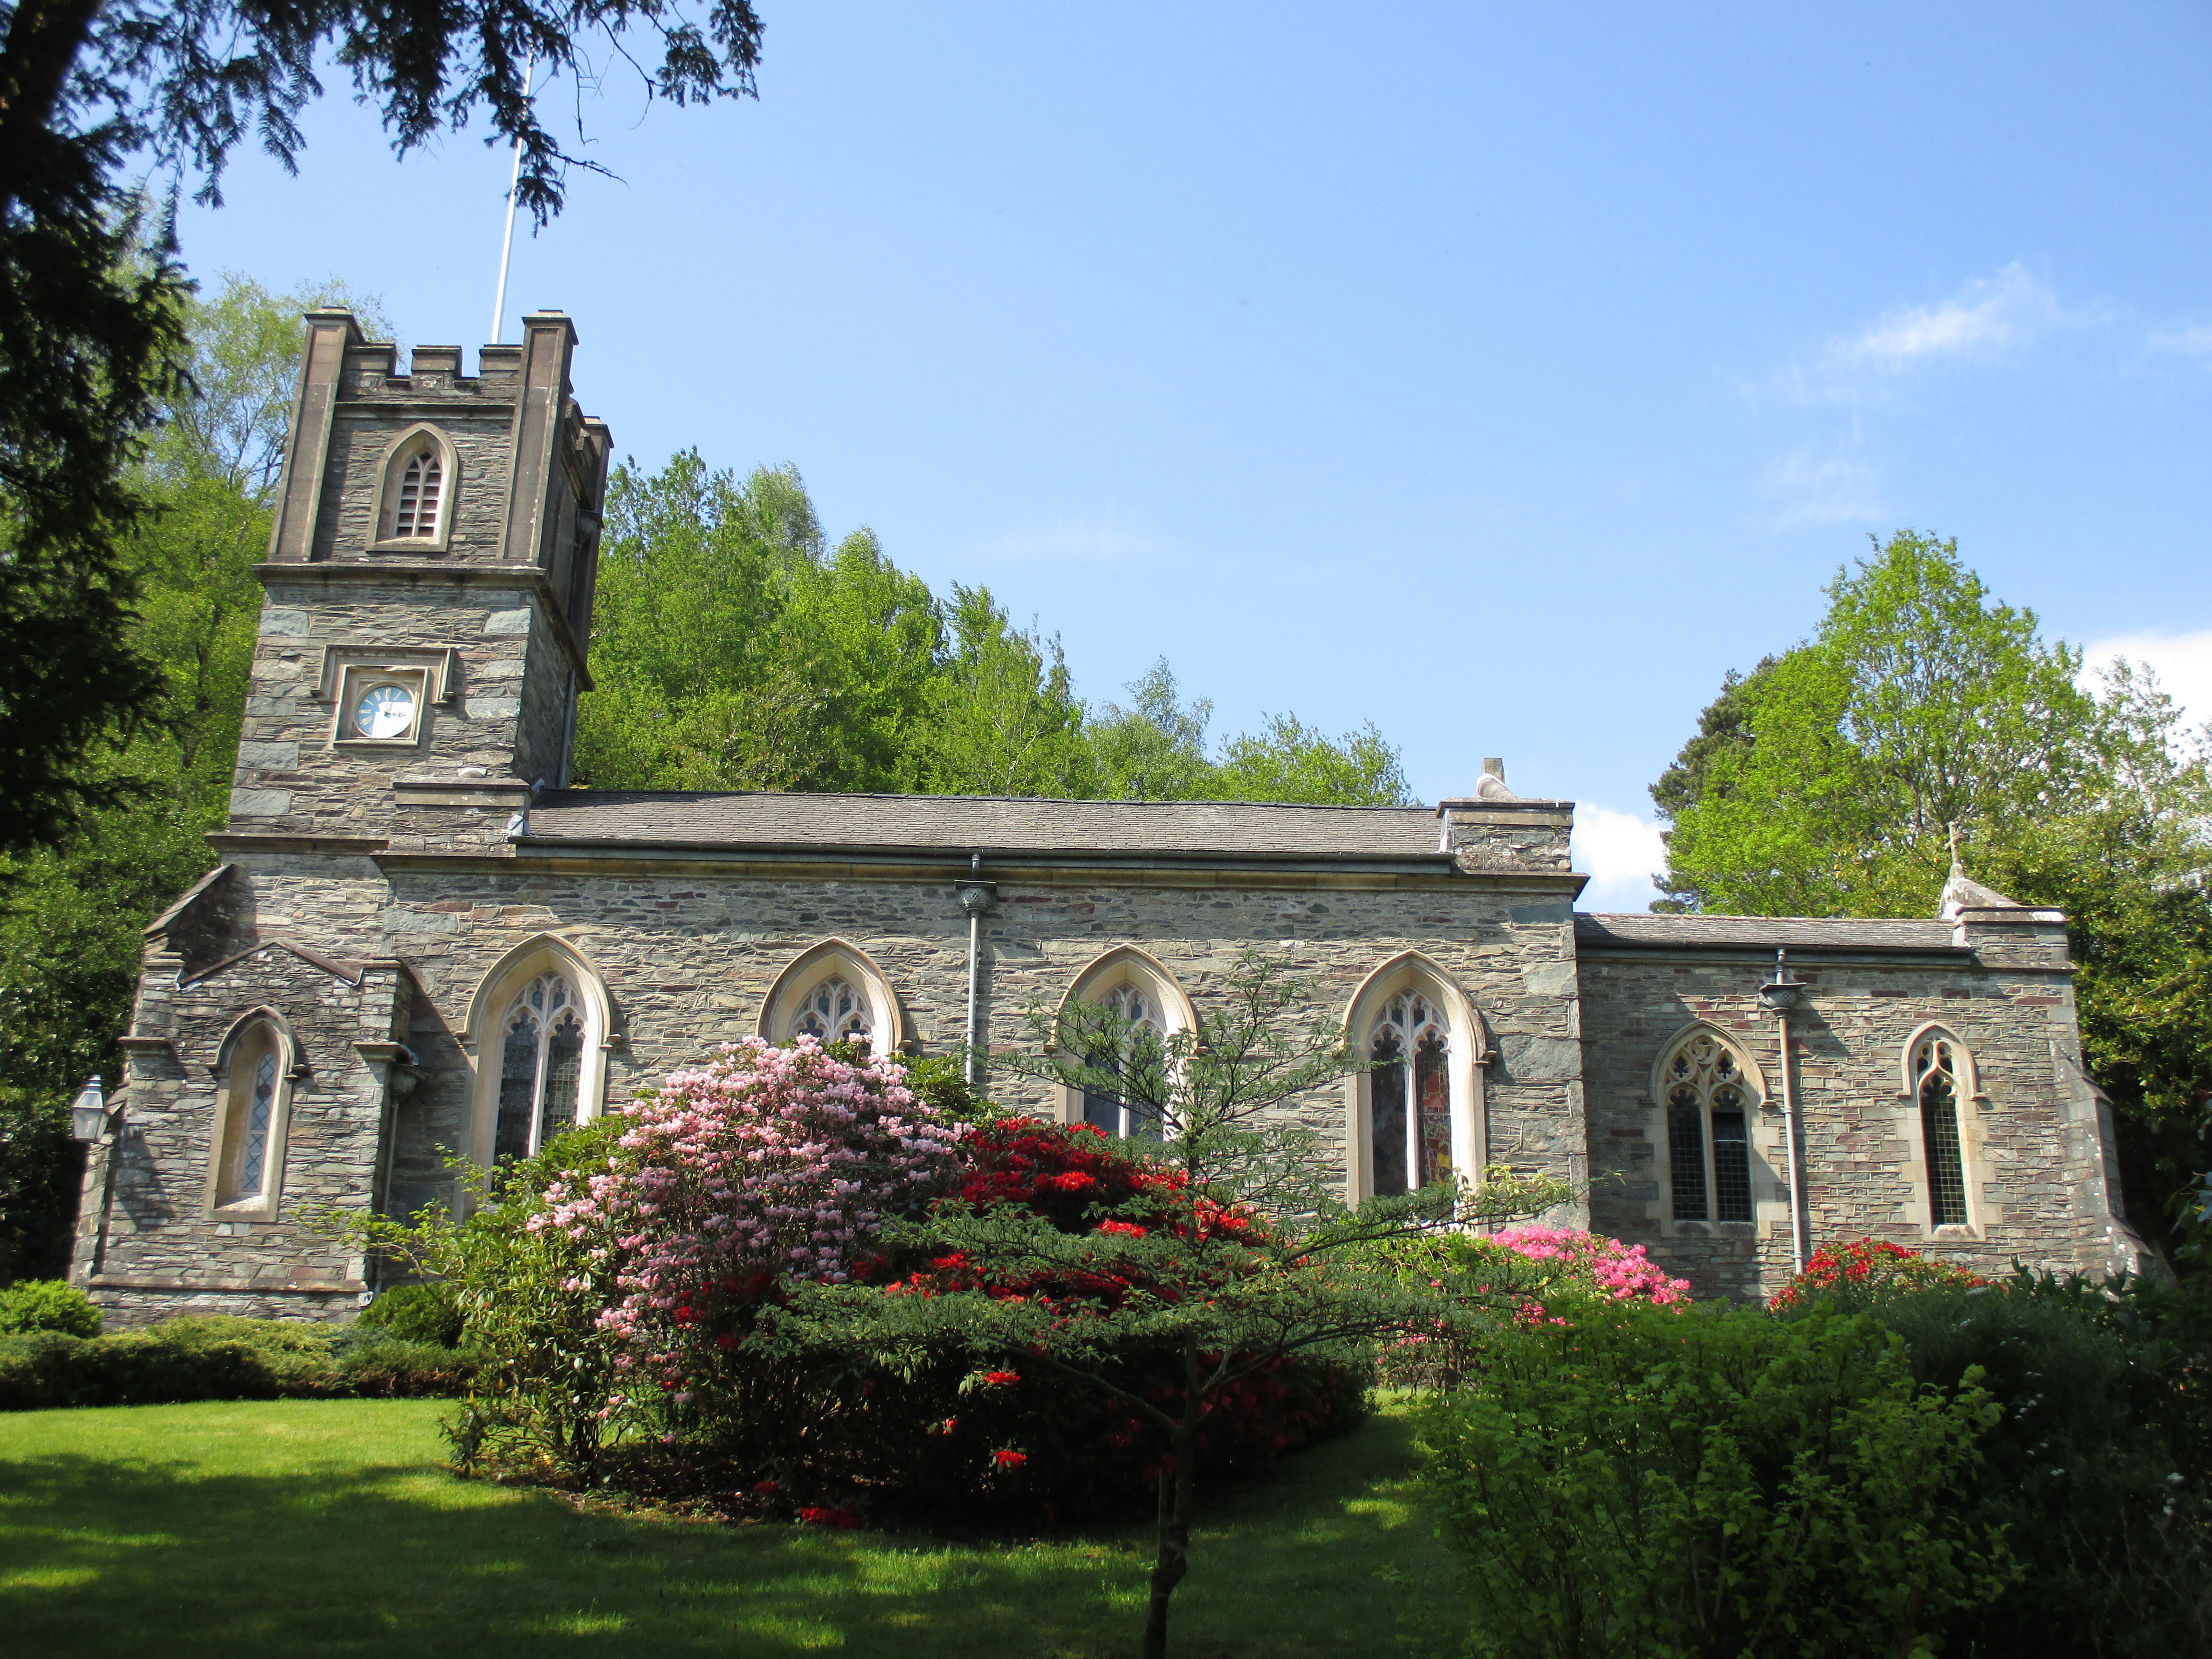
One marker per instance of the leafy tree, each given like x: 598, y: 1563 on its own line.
x: 733, y: 650
x: 1290, y: 761
x: 91, y: 313
x: 1154, y: 748
x: 1242, y: 1259
x: 1828, y: 782
x: 1004, y: 717
x: 1725, y: 727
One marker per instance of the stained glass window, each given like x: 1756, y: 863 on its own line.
x: 1137, y: 1017
x: 540, y: 1067
x: 1708, y: 1131
x: 1936, y: 1065
x: 833, y: 1011
x: 1409, y: 1094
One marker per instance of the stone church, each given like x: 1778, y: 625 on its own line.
x: 420, y: 940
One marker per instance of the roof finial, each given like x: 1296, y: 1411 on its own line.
x: 1958, y: 864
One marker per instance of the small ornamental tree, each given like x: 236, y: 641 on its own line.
x: 1231, y: 1259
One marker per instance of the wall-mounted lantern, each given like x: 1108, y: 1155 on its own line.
x: 89, y: 1114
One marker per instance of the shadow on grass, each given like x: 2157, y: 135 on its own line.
x: 99, y: 1555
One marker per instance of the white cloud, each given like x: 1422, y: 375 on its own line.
x: 2183, y: 663
x: 1621, y: 852
x: 1067, y: 539
x: 1987, y: 320
x: 2191, y: 340
x: 1809, y: 488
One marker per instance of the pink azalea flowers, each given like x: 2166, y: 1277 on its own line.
x: 766, y: 1162
x: 1620, y: 1271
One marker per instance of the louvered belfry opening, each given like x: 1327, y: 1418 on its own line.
x: 416, y: 517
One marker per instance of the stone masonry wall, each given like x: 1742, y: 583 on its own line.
x: 151, y: 1243
x: 689, y: 961
x: 293, y: 778
x: 1863, y: 1137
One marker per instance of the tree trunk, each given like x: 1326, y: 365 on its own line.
x: 43, y: 39
x: 1177, y: 1488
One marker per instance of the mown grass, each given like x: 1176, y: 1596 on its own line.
x: 327, y: 1528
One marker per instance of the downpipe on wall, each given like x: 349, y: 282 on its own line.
x: 1780, y: 995
x: 975, y: 896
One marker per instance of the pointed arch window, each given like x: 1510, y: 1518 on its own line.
x: 254, y: 1068
x: 1937, y: 1066
x: 1125, y: 1012
x: 1409, y: 1093
x: 254, y: 1076
x: 1709, y: 1099
x: 540, y: 1066
x: 415, y: 507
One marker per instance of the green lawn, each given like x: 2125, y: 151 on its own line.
x: 325, y: 1527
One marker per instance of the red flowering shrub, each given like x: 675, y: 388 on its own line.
x: 1867, y: 1271
x: 937, y: 1429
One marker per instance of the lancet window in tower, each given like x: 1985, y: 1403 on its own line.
x: 833, y: 1011
x: 1935, y: 1064
x: 415, y: 513
x: 541, y: 1065
x: 248, y: 1154
x: 1140, y: 1033
x: 1708, y: 1131
x: 1409, y: 1094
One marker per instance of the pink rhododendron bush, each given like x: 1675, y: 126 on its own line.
x: 766, y: 1163
x: 645, y: 1287
x: 1582, y: 1263
x: 1542, y: 1272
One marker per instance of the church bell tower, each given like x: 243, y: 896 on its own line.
x: 428, y: 595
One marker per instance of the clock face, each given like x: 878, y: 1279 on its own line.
x: 386, y: 711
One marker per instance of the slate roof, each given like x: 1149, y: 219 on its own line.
x: 988, y: 825
x: 1759, y: 932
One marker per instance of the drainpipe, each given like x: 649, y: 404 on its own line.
x: 1780, y: 995
x: 975, y: 896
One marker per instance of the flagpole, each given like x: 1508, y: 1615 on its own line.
x: 506, y: 248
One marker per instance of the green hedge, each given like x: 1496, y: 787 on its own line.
x: 47, y: 1304
x: 219, y: 1357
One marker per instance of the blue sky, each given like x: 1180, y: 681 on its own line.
x: 1500, y: 375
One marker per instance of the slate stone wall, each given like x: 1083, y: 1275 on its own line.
x: 151, y: 1243
x: 690, y: 962
x: 2037, y: 1191
x: 293, y: 779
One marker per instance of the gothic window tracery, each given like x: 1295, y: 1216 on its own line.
x: 833, y: 1011
x: 1937, y: 1067
x: 541, y: 1065
x: 1409, y: 1093
x: 414, y: 506
x: 246, y: 1161
x: 1708, y: 1103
